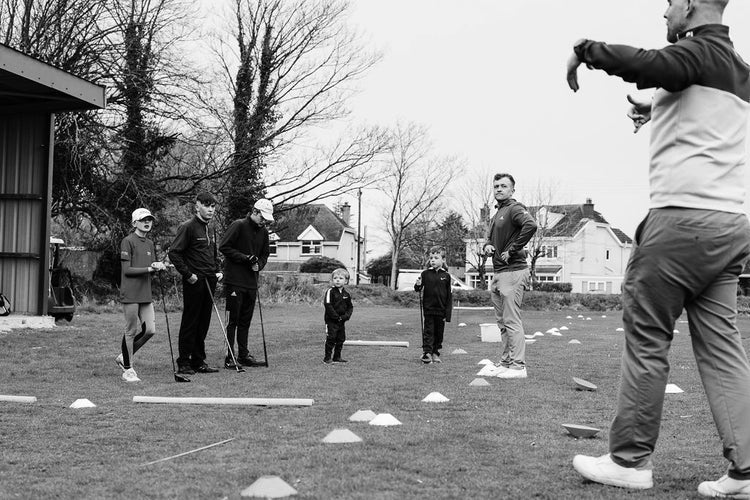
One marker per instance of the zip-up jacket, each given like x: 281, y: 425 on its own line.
x: 338, y: 305
x: 192, y: 251
x: 437, y: 299
x: 244, y: 240
x: 699, y: 115
x: 511, y: 228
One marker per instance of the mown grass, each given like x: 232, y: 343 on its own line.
x: 501, y: 441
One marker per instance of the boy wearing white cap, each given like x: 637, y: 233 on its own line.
x: 245, y: 246
x: 138, y: 261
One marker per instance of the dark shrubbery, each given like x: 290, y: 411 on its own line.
x: 552, y: 286
x: 320, y: 265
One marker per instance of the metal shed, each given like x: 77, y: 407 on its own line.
x: 31, y: 92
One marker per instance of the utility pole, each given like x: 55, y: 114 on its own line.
x: 359, y: 228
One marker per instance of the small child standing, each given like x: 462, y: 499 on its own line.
x: 338, y: 310
x: 137, y: 258
x: 437, y: 304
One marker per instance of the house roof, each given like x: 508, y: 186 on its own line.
x: 574, y: 218
x: 296, y: 220
x: 27, y: 84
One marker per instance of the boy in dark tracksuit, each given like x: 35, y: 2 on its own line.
x: 338, y: 310
x: 437, y: 304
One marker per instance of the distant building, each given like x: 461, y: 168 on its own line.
x: 315, y: 231
x: 578, y: 246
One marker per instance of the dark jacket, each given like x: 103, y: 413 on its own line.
x: 193, y: 251
x: 338, y: 305
x: 244, y: 242
x: 511, y: 228
x: 437, y: 299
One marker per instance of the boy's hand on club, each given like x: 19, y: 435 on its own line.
x: 219, y: 276
x: 489, y: 250
x: 192, y: 279
x: 419, y: 281
x: 158, y: 266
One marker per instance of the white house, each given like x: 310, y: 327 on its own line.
x: 315, y: 231
x: 578, y: 246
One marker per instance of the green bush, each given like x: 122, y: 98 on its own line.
x: 552, y: 286
x: 320, y: 265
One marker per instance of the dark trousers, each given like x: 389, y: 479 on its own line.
x: 335, y: 337
x: 240, y: 305
x: 432, y: 335
x: 196, y: 318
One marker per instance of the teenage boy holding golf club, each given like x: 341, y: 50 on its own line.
x: 138, y: 261
x: 437, y: 304
x: 246, y: 248
x: 194, y: 256
x: 510, y: 229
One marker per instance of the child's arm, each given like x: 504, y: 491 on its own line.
x: 418, y: 284
x: 328, y: 304
x: 228, y: 242
x: 126, y: 254
x: 449, y: 306
x: 349, y: 309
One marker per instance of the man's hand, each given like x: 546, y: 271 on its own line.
x: 489, y: 250
x: 219, y: 276
x: 505, y: 256
x: 572, y: 75
x: 640, y: 111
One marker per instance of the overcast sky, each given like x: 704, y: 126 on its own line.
x: 488, y: 78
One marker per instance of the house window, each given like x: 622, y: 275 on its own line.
x: 474, y: 280
x: 272, y: 247
x: 311, y: 247
x: 596, y: 286
x: 549, y: 252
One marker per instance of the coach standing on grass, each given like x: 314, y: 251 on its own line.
x: 246, y: 248
x: 193, y: 254
x: 511, y: 228
x: 692, y: 245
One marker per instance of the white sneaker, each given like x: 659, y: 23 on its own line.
x: 496, y: 370
x: 726, y: 487
x: 120, y: 362
x: 603, y: 470
x: 512, y: 373
x: 129, y: 375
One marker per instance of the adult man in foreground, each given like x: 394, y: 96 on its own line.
x: 511, y: 228
x: 692, y: 245
x: 246, y: 248
x: 193, y: 254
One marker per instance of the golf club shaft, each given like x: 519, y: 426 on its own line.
x: 166, y: 318
x: 221, y: 323
x: 262, y: 329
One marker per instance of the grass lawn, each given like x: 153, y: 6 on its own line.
x: 500, y: 441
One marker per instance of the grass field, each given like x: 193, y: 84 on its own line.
x: 500, y: 441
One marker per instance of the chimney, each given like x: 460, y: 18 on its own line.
x: 484, y: 213
x: 346, y: 212
x: 588, y: 209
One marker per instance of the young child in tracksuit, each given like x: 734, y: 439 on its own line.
x: 437, y: 304
x: 338, y: 310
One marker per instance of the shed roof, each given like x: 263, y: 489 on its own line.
x: 28, y: 84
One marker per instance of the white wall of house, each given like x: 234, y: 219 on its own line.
x: 344, y: 250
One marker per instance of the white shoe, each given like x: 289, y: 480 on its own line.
x: 512, y: 373
x: 603, y: 470
x: 129, y: 375
x: 497, y: 370
x: 726, y: 487
x: 120, y: 362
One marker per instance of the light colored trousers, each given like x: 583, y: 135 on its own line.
x: 140, y: 326
x: 506, y: 292
x: 691, y: 259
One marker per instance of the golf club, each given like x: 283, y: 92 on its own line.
x: 262, y: 330
x: 421, y: 320
x: 177, y: 377
x: 223, y: 330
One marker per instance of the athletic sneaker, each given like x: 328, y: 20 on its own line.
x: 129, y: 375
x: 495, y: 372
x: 327, y: 361
x: 726, y: 487
x: 426, y: 358
x: 512, y: 373
x: 229, y: 364
x: 120, y: 362
x: 603, y: 470
x: 436, y: 358
x: 339, y: 360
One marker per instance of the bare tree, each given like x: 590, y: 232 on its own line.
x: 415, y: 183
x: 294, y: 66
x: 475, y: 199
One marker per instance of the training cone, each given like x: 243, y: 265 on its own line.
x: 672, y: 389
x: 362, y: 416
x: 574, y: 341
x: 82, y: 403
x: 479, y: 382
x: 268, y: 487
x: 458, y: 351
x: 484, y: 362
x: 568, y: 317
x: 385, y: 419
x: 551, y: 330
x: 620, y: 330
x: 342, y: 436
x: 462, y: 324
x: 435, y: 397
x: 563, y: 328
x: 487, y: 371
x: 398, y: 323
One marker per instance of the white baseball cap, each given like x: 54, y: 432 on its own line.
x: 140, y: 214
x: 265, y: 207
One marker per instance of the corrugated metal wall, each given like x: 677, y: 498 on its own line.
x: 23, y: 209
